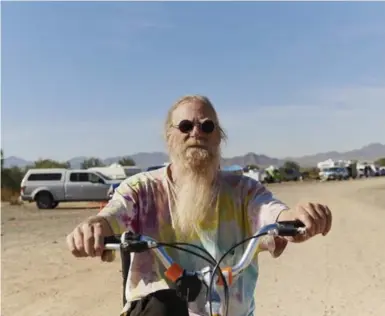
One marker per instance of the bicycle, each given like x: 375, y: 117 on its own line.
x: 188, y: 284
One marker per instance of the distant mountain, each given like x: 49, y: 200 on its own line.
x: 368, y: 153
x: 252, y: 159
x: 143, y: 160
x: 16, y: 161
x: 77, y: 161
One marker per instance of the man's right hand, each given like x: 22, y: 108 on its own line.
x: 87, y: 239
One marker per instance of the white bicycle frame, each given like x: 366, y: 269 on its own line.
x: 174, y: 271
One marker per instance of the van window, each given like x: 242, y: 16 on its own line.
x: 44, y: 177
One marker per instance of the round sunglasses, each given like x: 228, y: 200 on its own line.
x: 186, y: 126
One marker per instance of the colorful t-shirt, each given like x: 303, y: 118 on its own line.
x: 142, y: 204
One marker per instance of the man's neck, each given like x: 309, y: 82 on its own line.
x: 175, y: 173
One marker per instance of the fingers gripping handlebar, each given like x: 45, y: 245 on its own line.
x: 188, y: 284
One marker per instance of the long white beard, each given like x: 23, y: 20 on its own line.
x: 195, y: 190
x: 194, y: 200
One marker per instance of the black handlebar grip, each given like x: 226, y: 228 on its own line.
x: 295, y: 224
x: 289, y: 228
x: 112, y: 240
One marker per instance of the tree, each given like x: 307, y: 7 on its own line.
x: 11, y: 178
x: 380, y: 162
x: 292, y: 165
x: 91, y: 163
x: 310, y: 173
x: 2, y: 159
x: 126, y: 161
x: 49, y: 163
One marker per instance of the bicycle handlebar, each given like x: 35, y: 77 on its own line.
x: 139, y: 243
x: 130, y: 242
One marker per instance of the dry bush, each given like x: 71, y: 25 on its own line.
x: 10, y: 196
x: 15, y: 201
x: 310, y: 174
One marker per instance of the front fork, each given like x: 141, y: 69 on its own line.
x: 189, y: 285
x: 217, y: 307
x: 216, y: 304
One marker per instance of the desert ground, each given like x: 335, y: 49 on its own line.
x: 341, y: 274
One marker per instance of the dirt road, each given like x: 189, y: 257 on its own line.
x: 341, y: 274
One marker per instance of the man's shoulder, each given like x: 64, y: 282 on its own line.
x: 143, y: 179
x: 240, y: 181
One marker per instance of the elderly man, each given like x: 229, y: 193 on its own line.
x: 191, y: 200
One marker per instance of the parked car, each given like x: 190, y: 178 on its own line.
x: 111, y: 190
x: 334, y: 173
x: 49, y: 187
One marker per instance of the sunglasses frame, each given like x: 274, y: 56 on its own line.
x: 193, y: 124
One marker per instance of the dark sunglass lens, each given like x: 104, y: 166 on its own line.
x: 186, y: 126
x: 208, y: 126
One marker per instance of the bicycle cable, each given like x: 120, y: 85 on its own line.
x: 217, y: 267
x: 176, y: 244
x: 211, y: 260
x: 225, y: 285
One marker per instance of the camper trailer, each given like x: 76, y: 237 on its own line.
x: 117, y: 172
x: 336, y: 170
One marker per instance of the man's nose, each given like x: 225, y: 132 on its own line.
x: 196, y: 131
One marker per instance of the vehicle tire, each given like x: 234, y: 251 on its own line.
x: 44, y: 201
x: 55, y: 204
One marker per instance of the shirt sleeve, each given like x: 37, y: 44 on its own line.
x: 263, y: 208
x: 121, y: 211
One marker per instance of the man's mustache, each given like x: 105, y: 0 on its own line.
x: 197, y: 144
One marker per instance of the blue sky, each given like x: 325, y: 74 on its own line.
x: 97, y: 78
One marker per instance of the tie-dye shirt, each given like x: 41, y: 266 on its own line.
x: 142, y: 205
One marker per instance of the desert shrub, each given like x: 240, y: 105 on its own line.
x: 9, y: 195
x: 310, y: 173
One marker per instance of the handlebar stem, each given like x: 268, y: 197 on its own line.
x: 174, y: 272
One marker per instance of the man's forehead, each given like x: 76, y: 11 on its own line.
x: 193, y: 110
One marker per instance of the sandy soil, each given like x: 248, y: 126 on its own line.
x: 341, y: 274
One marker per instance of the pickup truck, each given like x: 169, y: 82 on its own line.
x: 49, y: 187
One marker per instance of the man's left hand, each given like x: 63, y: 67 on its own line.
x: 316, y: 217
